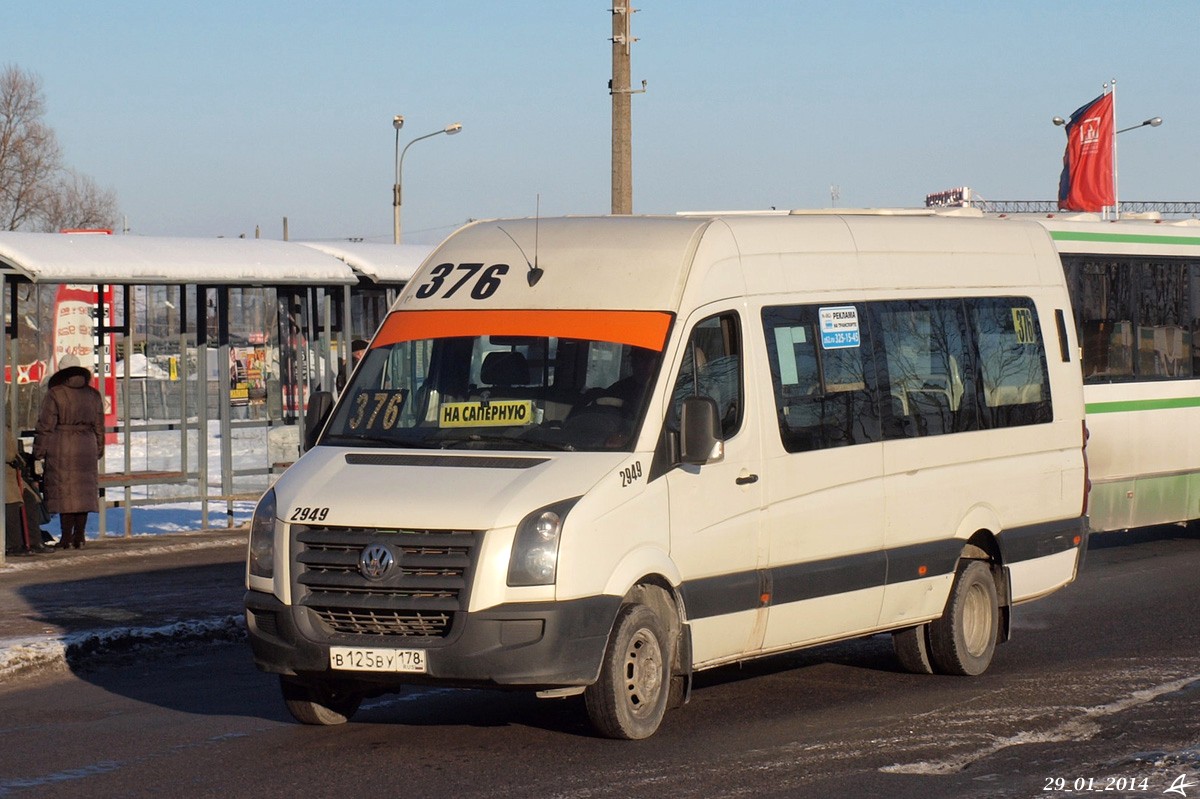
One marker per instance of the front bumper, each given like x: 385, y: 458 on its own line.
x: 534, y: 645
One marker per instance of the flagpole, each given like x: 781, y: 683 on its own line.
x: 1116, y: 200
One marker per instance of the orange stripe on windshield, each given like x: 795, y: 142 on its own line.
x: 638, y: 328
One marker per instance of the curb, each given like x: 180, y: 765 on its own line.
x: 22, y: 656
x: 116, y: 549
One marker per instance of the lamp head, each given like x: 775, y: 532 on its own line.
x: 397, y: 121
x: 1154, y: 123
x: 453, y: 128
x: 1059, y: 121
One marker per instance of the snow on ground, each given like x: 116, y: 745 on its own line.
x: 174, y: 517
x: 160, y: 451
x: 141, y: 366
x: 18, y: 655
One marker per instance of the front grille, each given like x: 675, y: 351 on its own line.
x: 418, y: 597
x: 371, y: 622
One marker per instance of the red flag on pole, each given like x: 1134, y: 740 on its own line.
x: 1087, y: 177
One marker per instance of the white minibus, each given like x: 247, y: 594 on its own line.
x: 598, y: 455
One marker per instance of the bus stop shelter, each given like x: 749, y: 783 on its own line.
x: 189, y: 338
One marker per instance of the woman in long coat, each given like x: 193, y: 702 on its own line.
x: 70, y: 436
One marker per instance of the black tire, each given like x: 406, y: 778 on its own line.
x: 321, y: 703
x: 630, y: 698
x: 963, y: 640
x: 912, y: 649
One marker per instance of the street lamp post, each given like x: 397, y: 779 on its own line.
x: 1153, y: 122
x: 397, y: 123
x: 397, y: 197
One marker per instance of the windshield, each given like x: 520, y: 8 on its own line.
x: 536, y: 380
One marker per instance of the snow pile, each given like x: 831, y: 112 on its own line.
x: 76, y: 649
x: 140, y: 366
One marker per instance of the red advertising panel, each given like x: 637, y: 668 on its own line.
x: 76, y: 335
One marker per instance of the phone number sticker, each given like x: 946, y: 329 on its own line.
x: 839, y: 327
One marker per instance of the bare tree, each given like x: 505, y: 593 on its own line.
x: 36, y: 191
x: 75, y: 201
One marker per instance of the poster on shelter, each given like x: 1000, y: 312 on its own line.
x: 247, y: 379
x: 76, y: 334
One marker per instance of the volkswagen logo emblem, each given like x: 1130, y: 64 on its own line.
x: 375, y: 561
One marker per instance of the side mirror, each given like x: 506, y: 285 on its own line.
x: 319, y: 406
x: 700, y: 432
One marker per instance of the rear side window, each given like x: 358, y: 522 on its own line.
x: 1014, y: 386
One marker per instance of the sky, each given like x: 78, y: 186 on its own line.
x: 223, y: 117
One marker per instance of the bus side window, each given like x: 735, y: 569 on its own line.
x: 1102, y: 295
x: 824, y: 397
x: 1012, y: 359
x: 924, y: 348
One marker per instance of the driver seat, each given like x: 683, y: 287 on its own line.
x: 504, y: 369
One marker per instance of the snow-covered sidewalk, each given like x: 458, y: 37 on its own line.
x: 66, y: 609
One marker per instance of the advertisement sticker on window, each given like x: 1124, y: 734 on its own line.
x: 839, y: 327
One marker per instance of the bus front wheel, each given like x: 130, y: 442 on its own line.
x: 630, y: 698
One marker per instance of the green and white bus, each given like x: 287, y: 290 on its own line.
x: 1135, y: 293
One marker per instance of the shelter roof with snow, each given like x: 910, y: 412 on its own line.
x: 97, y: 258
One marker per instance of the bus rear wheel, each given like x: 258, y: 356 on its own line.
x: 912, y: 649
x: 963, y: 640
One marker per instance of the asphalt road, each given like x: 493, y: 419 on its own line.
x: 1098, y: 692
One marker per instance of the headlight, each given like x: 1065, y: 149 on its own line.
x: 262, y: 537
x: 534, y: 558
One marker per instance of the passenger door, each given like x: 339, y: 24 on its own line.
x: 824, y: 516
x: 715, y: 508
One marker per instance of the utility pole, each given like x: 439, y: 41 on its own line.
x: 619, y: 88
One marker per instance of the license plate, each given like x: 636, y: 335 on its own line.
x: 350, y: 658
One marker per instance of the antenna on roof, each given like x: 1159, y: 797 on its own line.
x: 535, y: 272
